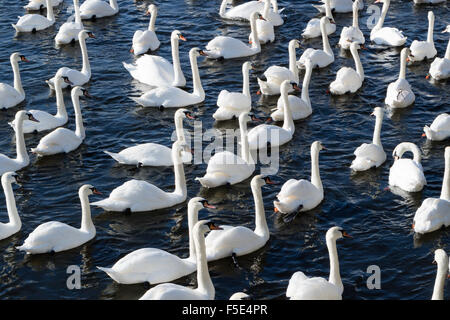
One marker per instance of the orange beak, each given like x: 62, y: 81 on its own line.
x: 345, y: 234
x: 258, y: 92
x: 412, y: 226
x: 408, y: 59
x: 423, y: 135
x: 427, y: 77
x: 132, y: 50
x: 276, y: 210
x: 182, y: 38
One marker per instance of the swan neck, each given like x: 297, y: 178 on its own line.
x: 76, y: 6
x: 305, y: 85
x: 113, y: 4
x: 315, y: 171
x: 246, y: 82
x: 61, y: 111
x: 261, y: 228
x: 256, y: 44
x: 86, y: 219
x: 441, y: 277
x: 326, y: 43
x: 79, y: 127
x: 223, y: 7
x: 335, y: 275
x: 13, y: 215
x: 445, y: 193
x: 403, y: 57
x: 17, y: 78
x: 198, y: 88
x: 328, y: 9
x: 288, y: 122
x: 355, y: 16
x: 179, y: 128
x: 203, y: 278
x: 447, y: 52
x: 293, y: 62
x: 192, y: 220
x: 86, y: 70
x: 358, y: 64
x: 151, y: 25
x: 245, y: 154
x: 22, y: 155
x: 50, y: 13
x: 178, y: 73
x: 266, y: 9
x: 430, y: 30
x: 180, y: 179
x: 377, y: 131
x: 384, y: 11
x: 274, y: 5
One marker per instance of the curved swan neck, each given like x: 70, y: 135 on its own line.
x: 61, y: 111
x: 151, y: 25
x: 430, y: 28
x: 178, y: 73
x: 203, y: 278
x: 445, y: 193
x: 76, y: 6
x: 256, y: 45
x: 79, y: 127
x: 355, y: 15
x: 315, y: 171
x: 192, y: 220
x: 223, y: 8
x: 261, y: 228
x: 447, y: 52
x: 11, y: 204
x: 335, y: 275
x: 245, y: 154
x: 86, y: 70
x: 288, y: 122
x: 246, y: 81
x: 21, y: 150
x: 411, y: 147
x: 305, y: 85
x: 180, y: 179
x: 384, y: 11
x: 198, y: 88
x: 403, y: 57
x: 17, y: 78
x: 377, y: 131
x: 113, y: 4
x: 50, y: 13
x: 326, y: 43
x: 441, y: 277
x: 86, y: 219
x: 356, y: 58
x: 293, y: 61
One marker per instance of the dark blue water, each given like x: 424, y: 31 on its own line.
x: 379, y: 221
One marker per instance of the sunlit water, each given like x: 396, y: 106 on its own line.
x: 378, y: 220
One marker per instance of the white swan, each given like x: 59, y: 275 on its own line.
x: 407, y: 174
x: 370, y: 155
x: 303, y: 288
x: 55, y: 236
x: 232, y: 104
x: 349, y: 80
x: 78, y: 78
x: 228, y: 168
x: 46, y: 120
x: 441, y: 259
x: 222, y: 47
x: 275, y: 75
x: 239, y: 241
x: 302, y: 195
x: 439, y: 129
x: 340, y: 6
x: 12, y: 96
x: 435, y: 212
x: 386, y: 35
x: 240, y: 296
x: 399, y: 93
x: 14, y: 224
x: 153, y: 154
x: 353, y: 33
x: 266, y: 31
x: 440, y: 67
x: 138, y: 195
x: 421, y: 50
x: 63, y: 140
x: 68, y: 32
x: 205, y: 289
x: 319, y: 58
x: 265, y: 135
x: 155, y: 265
x: 145, y: 40
x: 157, y: 71
x: 92, y: 9
x: 300, y: 107
x: 173, y: 97
x: 428, y: 1
x: 34, y: 5
x: 35, y: 22
x: 312, y: 29
x: 22, y: 159
x: 245, y: 10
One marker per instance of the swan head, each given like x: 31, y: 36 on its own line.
x: 176, y: 35
x: 184, y: 113
x: 9, y: 177
x: 377, y: 112
x: 199, y: 203
x: 440, y: 258
x: 447, y: 29
x: 317, y: 146
x: 295, y: 43
x: 428, y: 133
x: 196, y: 52
x: 80, y: 91
x: 178, y: 147
x: 59, y: 77
x: 326, y: 21
x: 286, y: 85
x: 83, y: 35
x: 151, y: 10
x: 23, y: 115
x: 17, y: 57
x: 336, y: 233
x: 203, y: 226
x: 247, y: 66
x: 87, y: 190
x: 261, y: 180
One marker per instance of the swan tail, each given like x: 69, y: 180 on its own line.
x: 113, y: 155
x: 15, y: 27
x: 139, y: 101
x: 361, y: 164
x: 128, y: 66
x: 111, y: 273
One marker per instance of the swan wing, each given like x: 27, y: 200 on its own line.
x: 277, y: 75
x: 168, y: 97
x: 234, y: 101
x: 228, y: 48
x: 432, y: 215
x: 9, y: 97
x: 148, y: 154
x: 407, y: 174
x: 244, y: 11
x: 441, y: 123
x: 347, y: 80
x: 98, y: 8
x: 58, y: 141
x: 152, y: 70
x: 368, y: 155
x: 170, y: 291
x: 303, y: 288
